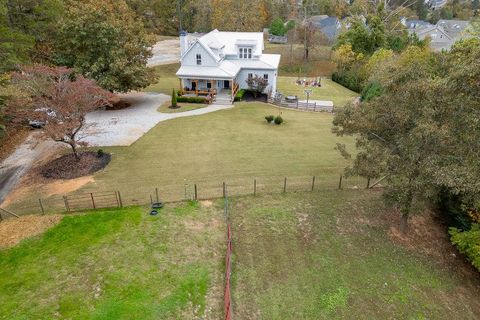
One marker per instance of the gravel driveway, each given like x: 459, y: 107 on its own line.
x: 124, y: 127
x: 165, y: 52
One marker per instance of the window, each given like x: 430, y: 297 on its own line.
x: 245, y: 53
x: 199, y: 59
x: 250, y: 75
x: 265, y: 76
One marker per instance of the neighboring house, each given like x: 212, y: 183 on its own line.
x: 329, y: 26
x: 442, y: 35
x: 221, y: 62
x: 436, y: 4
x: 411, y: 24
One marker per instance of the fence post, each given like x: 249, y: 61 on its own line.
x: 93, y: 201
x: 224, y: 194
x: 66, y: 203
x: 196, y: 195
x: 285, y: 185
x: 254, y: 187
x: 313, y: 183
x: 340, y: 183
x: 297, y: 103
x: 156, y: 193
x: 368, y: 183
x: 116, y: 197
x: 41, y: 205
x: 120, y: 199
x: 151, y: 200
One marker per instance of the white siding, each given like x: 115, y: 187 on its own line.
x: 191, y: 58
x: 272, y: 78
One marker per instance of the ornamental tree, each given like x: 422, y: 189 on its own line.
x: 59, y: 98
x: 256, y: 84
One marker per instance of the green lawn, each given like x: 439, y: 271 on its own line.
x: 327, y: 255
x: 182, y: 107
x: 167, y: 80
x: 119, y: 264
x: 329, y: 90
x: 233, y: 145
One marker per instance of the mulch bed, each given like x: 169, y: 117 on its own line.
x: 248, y: 97
x: 121, y: 104
x: 68, y: 167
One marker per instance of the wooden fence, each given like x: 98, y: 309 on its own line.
x: 310, y: 106
x: 227, y: 296
x: 201, y: 190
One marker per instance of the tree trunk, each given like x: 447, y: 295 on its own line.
x: 74, y: 150
x: 404, y: 223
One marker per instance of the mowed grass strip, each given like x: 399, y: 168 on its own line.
x: 119, y: 264
x: 327, y: 255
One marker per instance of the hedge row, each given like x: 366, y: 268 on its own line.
x: 468, y: 243
x: 192, y: 99
x: 348, y: 79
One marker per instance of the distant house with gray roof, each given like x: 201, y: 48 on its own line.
x: 442, y: 35
x: 328, y: 26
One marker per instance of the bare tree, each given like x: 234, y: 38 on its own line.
x: 59, y: 99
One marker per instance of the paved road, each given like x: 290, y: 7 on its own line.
x: 124, y: 127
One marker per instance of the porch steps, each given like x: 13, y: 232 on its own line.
x: 222, y: 101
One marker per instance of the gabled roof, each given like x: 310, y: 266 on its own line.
x: 454, y: 28
x: 329, y: 26
x: 226, y: 69
x: 229, y: 41
x: 429, y: 29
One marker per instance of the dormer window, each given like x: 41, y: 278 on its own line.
x: 245, y: 53
x: 199, y: 59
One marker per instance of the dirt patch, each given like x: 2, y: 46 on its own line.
x: 68, y: 167
x: 14, y: 230
x: 428, y: 235
x: 206, y: 203
x: 14, y: 137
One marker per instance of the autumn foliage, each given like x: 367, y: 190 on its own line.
x: 59, y: 98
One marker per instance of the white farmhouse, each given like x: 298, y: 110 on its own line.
x: 219, y: 63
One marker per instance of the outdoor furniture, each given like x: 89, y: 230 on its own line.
x: 291, y: 98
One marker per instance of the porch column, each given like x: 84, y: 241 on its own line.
x: 181, y: 83
x: 231, y: 88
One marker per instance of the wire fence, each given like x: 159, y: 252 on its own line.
x: 228, y: 261
x: 92, y: 198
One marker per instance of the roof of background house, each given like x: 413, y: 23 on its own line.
x: 415, y: 23
x: 329, y: 26
x: 429, y: 29
x: 454, y: 28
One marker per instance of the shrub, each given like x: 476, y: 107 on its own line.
x: 192, y: 99
x: 100, y: 153
x: 269, y: 118
x: 174, y: 98
x: 278, y: 120
x: 371, y: 90
x: 348, y: 79
x: 468, y: 243
x: 239, y: 95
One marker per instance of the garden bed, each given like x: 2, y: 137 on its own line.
x: 68, y: 167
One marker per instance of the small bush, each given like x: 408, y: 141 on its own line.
x: 100, y: 153
x: 468, y: 243
x: 239, y: 95
x: 174, y: 98
x: 192, y: 99
x: 269, y: 118
x: 278, y: 120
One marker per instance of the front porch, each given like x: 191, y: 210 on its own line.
x: 224, y: 89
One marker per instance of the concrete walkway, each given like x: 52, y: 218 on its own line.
x: 124, y: 127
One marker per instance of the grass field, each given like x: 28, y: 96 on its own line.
x: 329, y: 90
x: 232, y: 145
x: 167, y: 80
x: 183, y: 106
x: 119, y: 264
x: 328, y: 255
